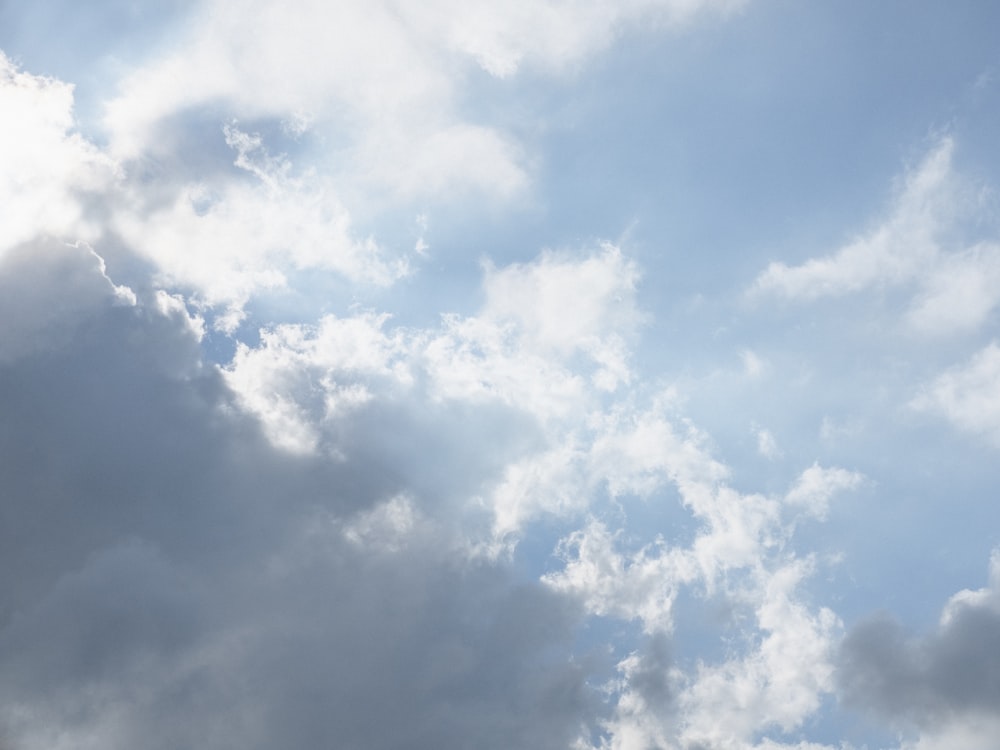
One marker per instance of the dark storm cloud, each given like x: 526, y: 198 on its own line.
x: 168, y: 579
x: 922, y: 680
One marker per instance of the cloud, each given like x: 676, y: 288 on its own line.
x: 40, y: 304
x: 567, y: 304
x: 549, y: 35
x: 967, y: 395
x: 386, y: 76
x: 170, y: 578
x: 228, y: 243
x: 779, y: 682
x: 961, y: 293
x: 894, y: 252
x: 281, y: 551
x: 642, y: 586
x: 46, y: 169
x: 357, y: 65
x: 740, y: 553
x: 767, y: 445
x: 221, y: 239
x: 944, y: 682
x: 497, y: 528
x: 378, y: 88
x: 525, y: 365
x: 817, y: 485
x: 914, y: 246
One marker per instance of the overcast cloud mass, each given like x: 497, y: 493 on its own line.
x: 446, y: 375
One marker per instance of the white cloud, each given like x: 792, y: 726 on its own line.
x: 223, y: 240
x: 740, y: 553
x: 504, y: 38
x: 228, y: 244
x: 816, y: 485
x: 386, y: 74
x: 779, y: 682
x: 894, y: 252
x: 360, y: 66
x: 640, y: 586
x: 961, y: 293
x: 968, y: 395
x: 767, y: 445
x: 956, y: 288
x: 299, y: 377
x: 565, y: 304
x: 46, y: 169
x: 522, y: 354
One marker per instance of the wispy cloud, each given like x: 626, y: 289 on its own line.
x: 954, y: 288
x: 968, y: 395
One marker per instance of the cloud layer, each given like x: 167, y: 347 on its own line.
x: 282, y: 467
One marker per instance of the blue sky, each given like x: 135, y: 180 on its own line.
x: 555, y: 375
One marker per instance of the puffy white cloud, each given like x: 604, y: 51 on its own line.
x: 740, y: 553
x: 226, y: 244
x: 521, y: 355
x: 968, y: 395
x: 779, y: 682
x: 641, y: 585
x: 46, y: 169
x: 358, y: 65
x: 300, y: 377
x: 220, y: 239
x: 387, y: 75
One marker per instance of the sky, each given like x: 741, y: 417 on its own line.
x: 562, y: 375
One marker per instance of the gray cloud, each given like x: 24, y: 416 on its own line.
x: 922, y: 680
x: 169, y: 579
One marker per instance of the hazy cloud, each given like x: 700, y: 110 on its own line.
x: 968, y: 395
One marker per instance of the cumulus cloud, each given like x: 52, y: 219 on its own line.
x: 221, y: 238
x: 943, y: 683
x: 46, y: 168
x: 739, y: 554
x: 780, y: 682
x: 520, y: 360
x: 227, y: 244
x: 386, y: 75
x: 279, y: 551
x: 493, y: 529
x: 169, y: 577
